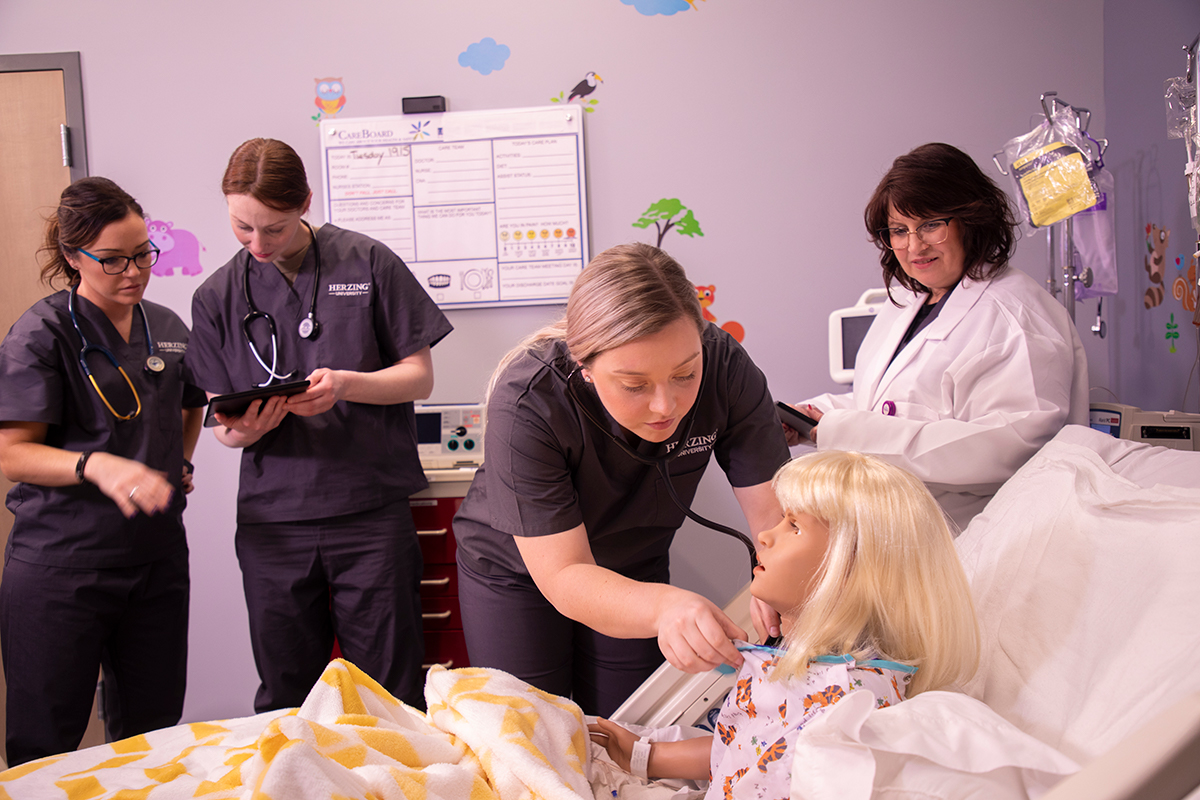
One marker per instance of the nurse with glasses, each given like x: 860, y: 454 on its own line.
x: 973, y: 366
x: 97, y: 420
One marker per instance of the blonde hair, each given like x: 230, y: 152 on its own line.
x: 891, y: 585
x: 625, y: 293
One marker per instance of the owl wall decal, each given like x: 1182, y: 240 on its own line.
x: 330, y: 96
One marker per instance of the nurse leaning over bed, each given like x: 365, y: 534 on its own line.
x: 563, y: 538
x: 97, y: 417
x: 973, y: 366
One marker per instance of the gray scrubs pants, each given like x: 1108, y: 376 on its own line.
x: 356, y: 577
x: 61, y: 626
x: 509, y: 625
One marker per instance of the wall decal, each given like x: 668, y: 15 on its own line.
x: 706, y: 295
x: 1184, y: 288
x: 1156, y: 244
x: 581, y: 91
x: 485, y: 56
x: 664, y: 212
x: 330, y: 99
x: 666, y: 7
x: 1172, y: 332
x: 177, y: 248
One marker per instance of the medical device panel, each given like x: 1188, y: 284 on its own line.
x: 1173, y: 429
x: 450, y: 436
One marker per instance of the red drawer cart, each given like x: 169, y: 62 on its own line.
x: 433, y: 512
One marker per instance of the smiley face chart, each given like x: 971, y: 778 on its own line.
x: 486, y: 208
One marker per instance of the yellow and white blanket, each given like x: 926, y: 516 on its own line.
x: 486, y: 735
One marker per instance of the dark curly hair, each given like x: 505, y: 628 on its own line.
x: 938, y: 180
x: 85, y: 208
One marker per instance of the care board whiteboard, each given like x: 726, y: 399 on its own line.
x: 487, y: 208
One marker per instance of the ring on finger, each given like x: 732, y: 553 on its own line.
x: 131, y: 491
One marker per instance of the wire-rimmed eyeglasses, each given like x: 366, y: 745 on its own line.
x: 115, y: 265
x: 934, y: 231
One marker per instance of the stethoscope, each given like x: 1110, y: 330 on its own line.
x: 154, y: 364
x: 663, y: 462
x: 309, y: 327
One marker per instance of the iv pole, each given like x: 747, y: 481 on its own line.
x: 1192, y: 142
x: 1062, y: 239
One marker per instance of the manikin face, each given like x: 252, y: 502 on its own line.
x: 127, y: 237
x: 267, y: 233
x: 789, y: 556
x: 937, y: 266
x: 650, y: 384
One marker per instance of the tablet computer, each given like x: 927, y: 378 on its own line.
x: 236, y: 403
x: 801, y: 423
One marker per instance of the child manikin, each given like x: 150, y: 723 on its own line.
x: 864, y: 575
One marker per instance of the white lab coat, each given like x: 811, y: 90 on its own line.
x: 977, y: 392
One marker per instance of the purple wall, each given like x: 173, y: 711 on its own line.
x: 1142, y: 48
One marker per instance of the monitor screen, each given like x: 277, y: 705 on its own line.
x: 854, y: 330
x: 429, y: 427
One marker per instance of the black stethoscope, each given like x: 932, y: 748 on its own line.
x: 663, y: 462
x: 154, y: 364
x: 309, y: 327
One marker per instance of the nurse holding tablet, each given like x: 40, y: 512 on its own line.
x: 325, y: 537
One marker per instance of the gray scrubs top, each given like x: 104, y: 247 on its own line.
x: 548, y: 468
x: 356, y: 456
x: 42, y: 381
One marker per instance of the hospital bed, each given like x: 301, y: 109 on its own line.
x: 1085, y: 569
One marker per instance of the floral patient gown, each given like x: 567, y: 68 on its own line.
x: 761, y: 718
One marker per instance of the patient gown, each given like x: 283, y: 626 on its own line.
x: 761, y: 718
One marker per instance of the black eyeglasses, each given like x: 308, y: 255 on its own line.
x: 935, y: 231
x: 115, y: 265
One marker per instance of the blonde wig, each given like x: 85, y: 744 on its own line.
x: 625, y: 293
x: 891, y: 585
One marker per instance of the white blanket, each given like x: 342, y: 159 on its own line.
x: 1087, y: 587
x: 937, y: 745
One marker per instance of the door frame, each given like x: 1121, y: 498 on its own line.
x: 69, y: 64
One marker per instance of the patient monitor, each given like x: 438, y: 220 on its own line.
x: 847, y: 328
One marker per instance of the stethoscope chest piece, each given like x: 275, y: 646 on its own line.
x: 155, y: 364
x: 309, y: 328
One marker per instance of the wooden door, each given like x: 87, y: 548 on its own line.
x: 38, y: 92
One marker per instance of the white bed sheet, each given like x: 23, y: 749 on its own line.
x: 1085, y: 569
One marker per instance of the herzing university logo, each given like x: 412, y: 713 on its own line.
x: 696, y: 444
x: 171, y: 347
x: 349, y: 289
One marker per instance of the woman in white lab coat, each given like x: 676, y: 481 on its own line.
x: 973, y: 366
